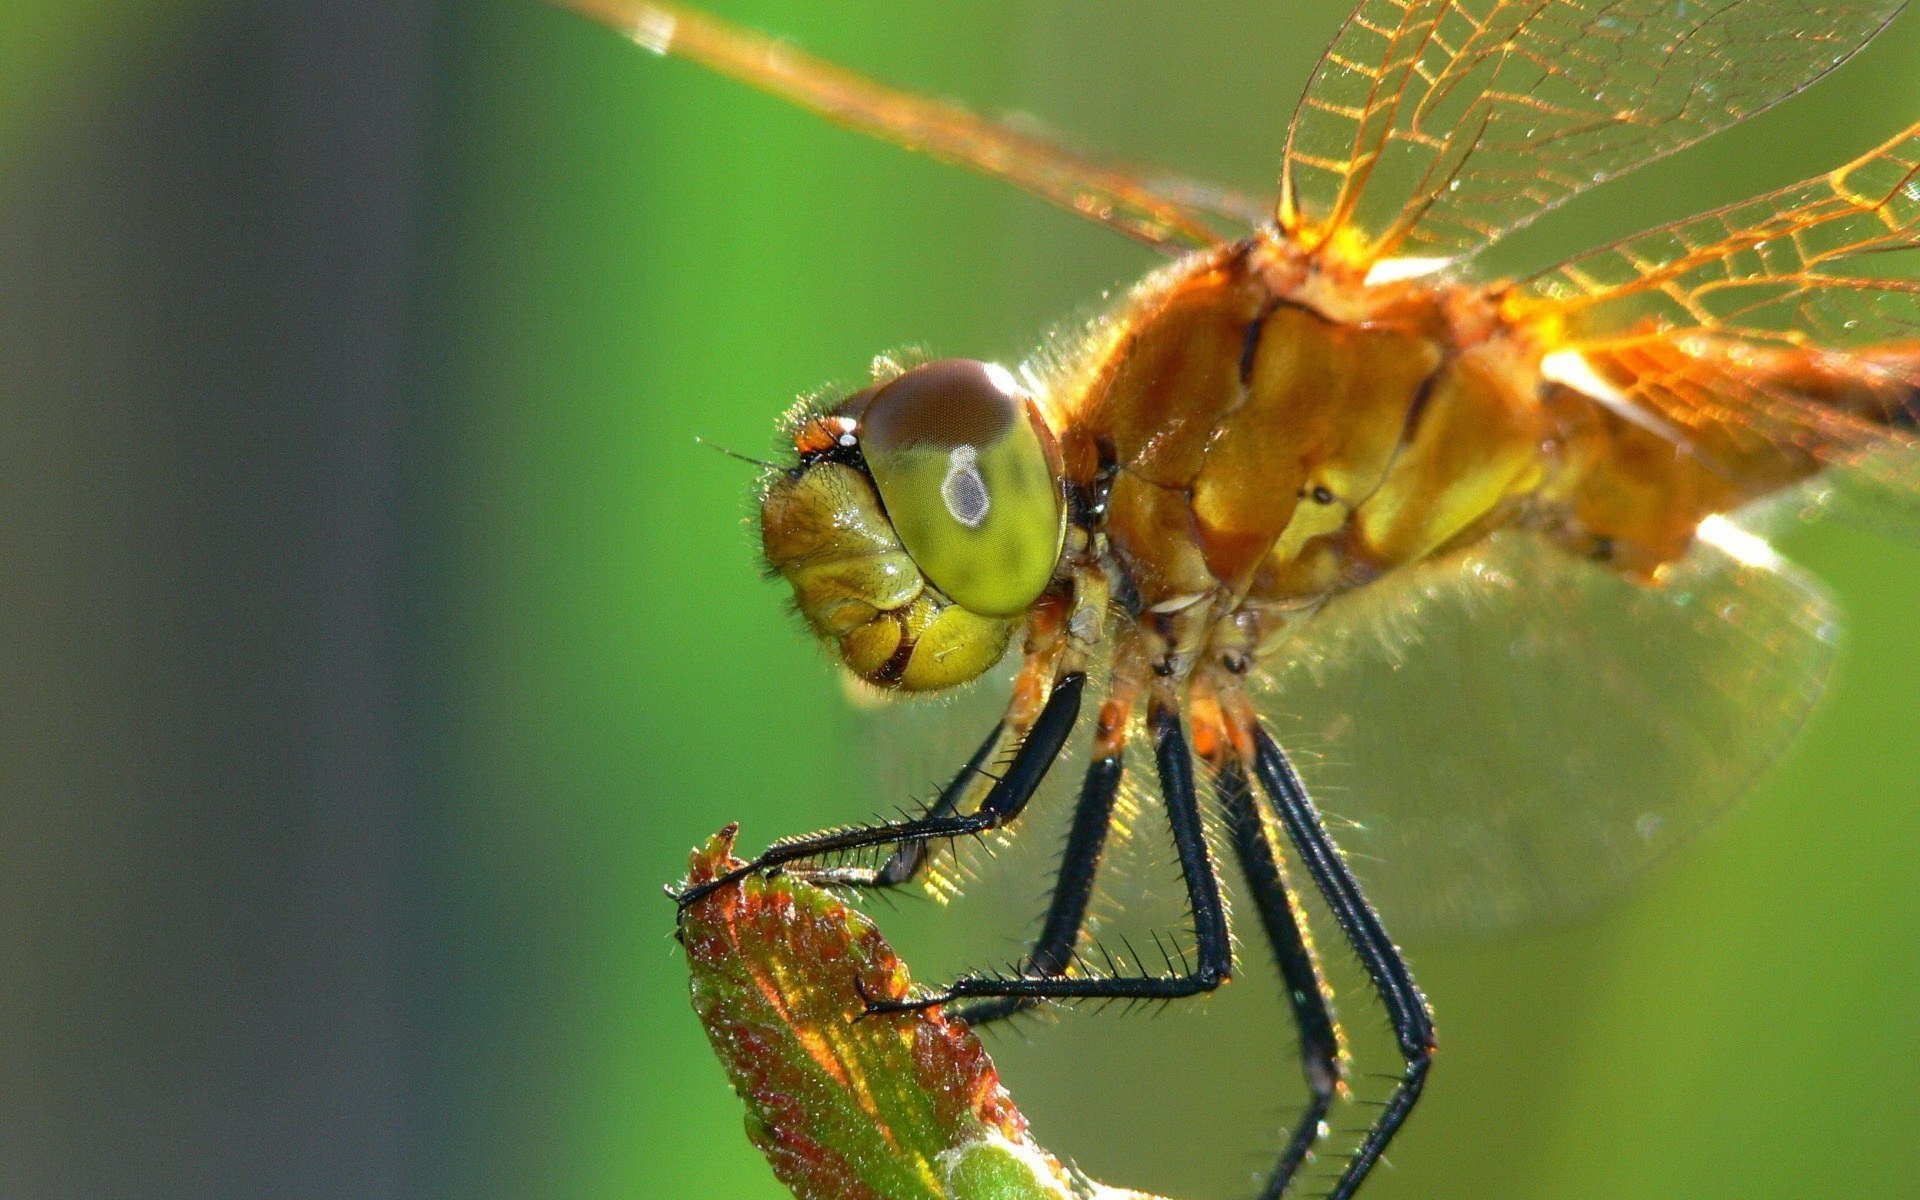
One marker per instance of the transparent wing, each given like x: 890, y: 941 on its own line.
x: 1794, y: 316
x: 1159, y: 210
x: 1433, y: 127
x: 1822, y: 262
x: 1511, y: 734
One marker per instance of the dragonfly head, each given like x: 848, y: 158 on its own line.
x: 922, y: 520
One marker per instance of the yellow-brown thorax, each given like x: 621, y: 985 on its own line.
x: 1265, y: 437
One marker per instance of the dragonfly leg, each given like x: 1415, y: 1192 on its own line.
x: 1213, y: 960
x: 1406, y: 1007
x: 1322, y: 1048
x: 908, y: 860
x: 1053, y: 952
x: 1003, y: 802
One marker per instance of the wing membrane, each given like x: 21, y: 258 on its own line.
x: 1162, y: 211
x: 1433, y: 127
x: 1515, y: 733
x: 1794, y: 317
x: 1786, y: 266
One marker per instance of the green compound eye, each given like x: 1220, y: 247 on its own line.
x: 966, y: 482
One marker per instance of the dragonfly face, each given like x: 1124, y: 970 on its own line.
x: 923, y: 518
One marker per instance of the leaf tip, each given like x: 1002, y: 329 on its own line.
x: 844, y: 1104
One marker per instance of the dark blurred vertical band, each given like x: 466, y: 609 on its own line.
x: 208, y: 265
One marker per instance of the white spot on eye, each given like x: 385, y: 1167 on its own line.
x: 847, y: 439
x: 964, y: 491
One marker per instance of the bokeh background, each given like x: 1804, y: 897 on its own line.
x: 375, y: 639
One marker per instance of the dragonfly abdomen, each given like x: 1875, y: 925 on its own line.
x: 1670, y: 429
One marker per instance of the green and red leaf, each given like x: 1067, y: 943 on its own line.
x: 846, y: 1105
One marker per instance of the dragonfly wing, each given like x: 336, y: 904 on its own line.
x: 1511, y: 734
x: 1434, y: 127
x: 1159, y: 209
x: 1793, y: 317
x: 1821, y: 262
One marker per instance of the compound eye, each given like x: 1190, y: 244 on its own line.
x: 957, y: 457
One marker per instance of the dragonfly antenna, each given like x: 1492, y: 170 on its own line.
x: 745, y: 458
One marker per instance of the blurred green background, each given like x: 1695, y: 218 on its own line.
x: 380, y: 639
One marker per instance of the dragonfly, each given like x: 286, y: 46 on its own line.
x: 1491, y: 546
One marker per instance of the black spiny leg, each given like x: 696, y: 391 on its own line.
x: 1003, y: 802
x: 1286, y: 929
x: 1053, y: 952
x: 1213, y: 945
x: 1406, y: 1008
x: 907, y: 861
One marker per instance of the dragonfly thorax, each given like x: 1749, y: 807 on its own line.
x: 1259, y: 452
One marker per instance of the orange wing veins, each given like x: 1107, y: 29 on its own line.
x: 1435, y: 127
x: 1166, y: 213
x: 1762, y: 315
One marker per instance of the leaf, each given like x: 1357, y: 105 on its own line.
x: 848, y: 1106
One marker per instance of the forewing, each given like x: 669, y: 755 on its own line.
x: 1512, y: 734
x: 1822, y: 262
x: 1158, y: 209
x: 1434, y: 127
x: 1832, y: 264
